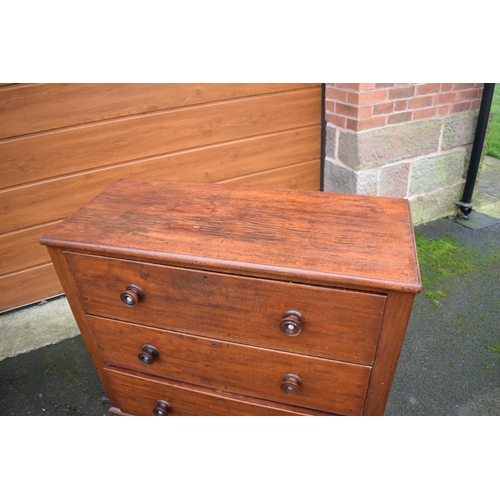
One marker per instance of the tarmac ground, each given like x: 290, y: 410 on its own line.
x: 449, y: 364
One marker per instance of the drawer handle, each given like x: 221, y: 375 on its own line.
x: 291, y: 384
x: 132, y: 295
x: 291, y: 323
x: 162, y: 408
x: 148, y: 355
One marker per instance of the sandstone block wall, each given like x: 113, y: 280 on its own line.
x: 402, y: 140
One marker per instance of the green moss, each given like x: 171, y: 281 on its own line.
x: 443, y: 255
x: 494, y: 348
x: 441, y: 258
x: 438, y: 294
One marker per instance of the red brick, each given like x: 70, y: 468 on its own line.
x: 445, y: 87
x: 475, y: 105
x: 336, y: 94
x: 443, y: 110
x: 419, y: 114
x: 366, y: 86
x: 377, y: 121
x: 428, y: 88
x: 353, y: 98
x: 444, y: 98
x: 467, y: 95
x: 384, y: 85
x: 350, y: 86
x: 461, y: 106
x: 384, y: 108
x: 399, y: 118
x: 462, y: 86
x: 372, y: 97
x: 346, y: 110
x: 356, y: 112
x: 420, y: 102
x: 329, y: 106
x: 352, y: 124
x: 400, y: 105
x: 402, y: 92
x: 365, y: 111
x: 335, y: 119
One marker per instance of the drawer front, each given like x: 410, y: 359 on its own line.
x: 135, y: 394
x: 338, y: 324
x: 325, y: 385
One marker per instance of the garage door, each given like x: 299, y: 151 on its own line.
x: 62, y: 144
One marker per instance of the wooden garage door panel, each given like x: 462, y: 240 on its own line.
x: 55, y: 199
x: 20, y: 250
x: 61, y: 145
x: 29, y: 286
x: 89, y: 146
x: 305, y: 176
x: 26, y: 109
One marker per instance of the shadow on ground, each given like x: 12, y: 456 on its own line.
x: 54, y: 380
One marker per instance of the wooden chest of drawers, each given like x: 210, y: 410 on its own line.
x: 203, y: 299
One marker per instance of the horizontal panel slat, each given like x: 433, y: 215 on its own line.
x: 35, y: 108
x: 21, y: 249
x: 72, y: 150
x: 51, y: 200
x: 28, y: 286
x: 305, y: 176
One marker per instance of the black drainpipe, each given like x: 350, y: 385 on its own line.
x: 477, y: 148
x: 323, y: 137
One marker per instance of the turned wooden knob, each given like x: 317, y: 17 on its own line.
x: 291, y: 384
x: 132, y: 295
x: 291, y: 323
x: 148, y: 355
x: 162, y: 408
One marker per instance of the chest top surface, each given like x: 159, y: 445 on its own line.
x: 316, y: 237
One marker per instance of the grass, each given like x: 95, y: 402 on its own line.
x: 493, y: 141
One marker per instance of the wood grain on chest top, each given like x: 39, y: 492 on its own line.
x: 301, y: 236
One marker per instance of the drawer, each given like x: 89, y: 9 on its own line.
x: 338, y: 324
x: 136, y: 394
x: 326, y: 385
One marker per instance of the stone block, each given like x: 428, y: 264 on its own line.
x: 416, y: 208
x: 435, y: 172
x: 394, y: 180
x: 348, y: 149
x: 377, y: 147
x: 331, y: 141
x: 338, y: 179
x: 459, y: 129
x: 367, y: 182
x: 441, y: 203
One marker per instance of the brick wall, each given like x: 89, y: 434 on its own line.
x: 410, y: 140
